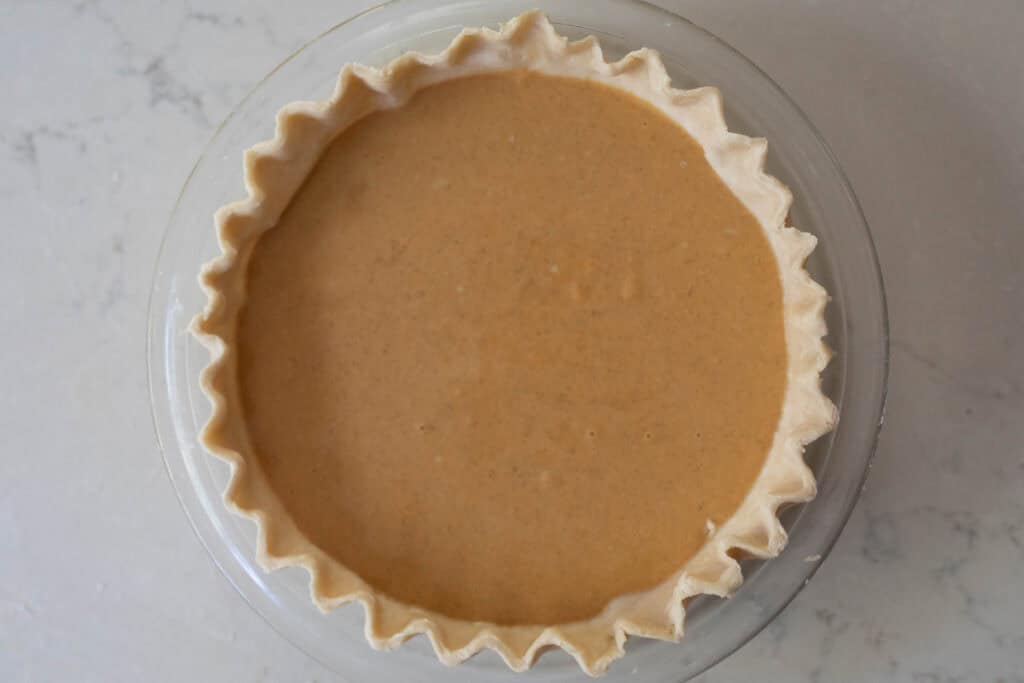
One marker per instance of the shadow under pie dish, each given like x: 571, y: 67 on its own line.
x: 513, y: 346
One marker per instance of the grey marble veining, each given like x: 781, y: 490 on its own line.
x: 108, y: 103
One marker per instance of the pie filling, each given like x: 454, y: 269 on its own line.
x: 510, y: 348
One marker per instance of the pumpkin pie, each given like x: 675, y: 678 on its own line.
x: 513, y: 346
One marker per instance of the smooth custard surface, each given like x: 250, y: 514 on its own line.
x: 510, y: 347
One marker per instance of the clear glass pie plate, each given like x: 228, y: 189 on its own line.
x: 844, y: 263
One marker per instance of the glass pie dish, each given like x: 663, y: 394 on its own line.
x: 824, y: 205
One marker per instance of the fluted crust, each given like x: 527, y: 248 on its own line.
x: 275, y: 169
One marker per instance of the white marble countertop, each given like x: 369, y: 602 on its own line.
x: 106, y: 105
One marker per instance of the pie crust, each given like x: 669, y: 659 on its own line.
x: 275, y: 169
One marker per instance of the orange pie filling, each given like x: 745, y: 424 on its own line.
x: 511, y: 347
